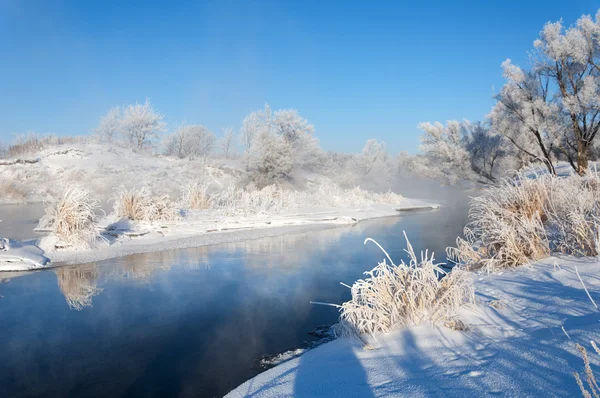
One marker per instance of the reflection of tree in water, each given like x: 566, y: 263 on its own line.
x: 78, y: 284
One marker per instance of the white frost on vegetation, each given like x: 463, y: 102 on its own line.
x: 395, y: 296
x: 530, y: 217
x: 72, y: 221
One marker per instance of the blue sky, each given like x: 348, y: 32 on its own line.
x: 355, y: 69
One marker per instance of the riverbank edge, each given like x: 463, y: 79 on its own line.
x: 59, y: 259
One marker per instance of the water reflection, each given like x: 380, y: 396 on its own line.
x: 190, y: 322
x: 78, y: 284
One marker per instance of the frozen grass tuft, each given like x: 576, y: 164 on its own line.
x: 72, y: 219
x: 395, y: 296
x: 140, y: 205
x: 594, y: 390
x: 195, y: 196
x: 526, y: 219
x: 274, y: 199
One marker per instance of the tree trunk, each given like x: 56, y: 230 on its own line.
x: 582, y: 158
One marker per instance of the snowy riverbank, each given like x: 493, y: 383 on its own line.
x: 520, y: 342
x: 198, y: 230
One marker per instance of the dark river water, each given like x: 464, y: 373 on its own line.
x: 193, y: 322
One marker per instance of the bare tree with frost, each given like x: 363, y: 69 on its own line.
x: 372, y: 155
x: 526, y: 115
x: 190, y: 140
x: 460, y: 151
x: 226, y: 143
x: 555, y: 107
x: 254, y: 124
x: 141, y: 124
x: 109, y: 127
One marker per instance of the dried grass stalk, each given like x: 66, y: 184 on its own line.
x: 140, y: 205
x: 72, y: 219
x: 394, y: 296
x: 527, y: 218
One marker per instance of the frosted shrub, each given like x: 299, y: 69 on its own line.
x: 394, y: 296
x: 195, y: 196
x: 526, y: 219
x: 140, y: 205
x: 273, y: 199
x: 72, y: 219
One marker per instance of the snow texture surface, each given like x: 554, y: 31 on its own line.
x: 515, y: 346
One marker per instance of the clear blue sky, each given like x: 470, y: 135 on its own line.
x: 356, y: 70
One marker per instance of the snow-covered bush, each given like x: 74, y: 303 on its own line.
x: 140, y: 205
x: 72, y: 221
x: 195, y: 196
x: 190, y: 141
x: 527, y: 218
x: 395, y: 296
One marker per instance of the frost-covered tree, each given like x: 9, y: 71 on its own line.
x: 554, y: 108
x: 570, y: 58
x: 226, y: 142
x: 298, y: 133
x: 254, y: 124
x: 460, y: 152
x: 141, y: 124
x: 269, y: 158
x: 190, y: 140
x: 372, y: 155
x: 526, y: 115
x: 291, y: 128
x: 109, y: 127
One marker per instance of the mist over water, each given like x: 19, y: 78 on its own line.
x: 191, y: 322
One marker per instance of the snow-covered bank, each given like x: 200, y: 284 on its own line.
x: 515, y: 345
x: 121, y: 239
x: 19, y: 256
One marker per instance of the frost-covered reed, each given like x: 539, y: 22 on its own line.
x: 592, y: 384
x: 195, y: 196
x: 529, y: 217
x: 141, y: 205
x: 394, y: 296
x: 72, y: 220
x: 274, y: 199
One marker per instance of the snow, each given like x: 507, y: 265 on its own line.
x: 20, y: 256
x: 514, y: 346
x: 197, y: 230
x: 122, y: 238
